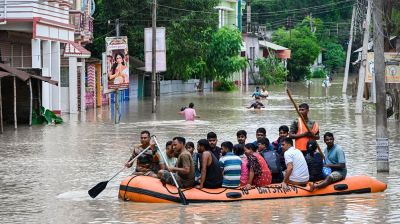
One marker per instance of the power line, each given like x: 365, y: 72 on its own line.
x: 186, y: 10
x: 302, y: 9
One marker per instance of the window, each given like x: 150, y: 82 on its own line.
x: 64, y: 77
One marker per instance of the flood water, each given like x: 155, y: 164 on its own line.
x: 45, y: 171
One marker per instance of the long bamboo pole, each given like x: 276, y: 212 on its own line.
x: 15, y: 102
x: 1, y: 111
x: 30, y: 101
x: 349, y: 46
x: 39, y: 94
x: 303, y: 120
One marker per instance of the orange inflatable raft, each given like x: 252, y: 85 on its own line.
x: 150, y: 190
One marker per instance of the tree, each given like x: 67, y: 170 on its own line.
x: 223, y: 57
x: 188, y: 30
x: 334, y: 56
x: 271, y: 70
x: 188, y: 41
x: 304, y: 48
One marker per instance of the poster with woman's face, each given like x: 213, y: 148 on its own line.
x: 117, y: 62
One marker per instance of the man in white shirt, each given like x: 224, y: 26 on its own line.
x: 297, y: 170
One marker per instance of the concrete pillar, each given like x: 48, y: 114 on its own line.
x: 36, y: 54
x: 83, y: 86
x: 55, y: 74
x: 220, y: 18
x: 46, y: 70
x: 98, y: 85
x: 223, y: 18
x: 73, y: 85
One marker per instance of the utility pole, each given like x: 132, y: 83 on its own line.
x: 363, y: 65
x: 382, y: 141
x: 248, y: 29
x: 153, y: 58
x: 116, y: 94
x: 349, y: 46
x: 248, y: 16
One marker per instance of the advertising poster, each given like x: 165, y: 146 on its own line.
x: 392, y: 65
x: 117, y: 62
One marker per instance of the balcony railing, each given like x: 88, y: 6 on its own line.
x: 29, y: 9
x: 83, y: 25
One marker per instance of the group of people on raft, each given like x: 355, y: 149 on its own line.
x: 245, y: 164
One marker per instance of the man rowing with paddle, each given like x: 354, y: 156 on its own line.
x: 298, y: 130
x: 145, y: 162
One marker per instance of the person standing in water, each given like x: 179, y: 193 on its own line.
x: 189, y: 113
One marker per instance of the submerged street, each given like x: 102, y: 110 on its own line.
x: 45, y: 171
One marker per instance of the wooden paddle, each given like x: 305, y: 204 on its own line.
x: 302, y: 119
x: 181, y: 195
x: 96, y: 190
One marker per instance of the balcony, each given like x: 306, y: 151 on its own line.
x: 83, y: 24
x: 28, y: 9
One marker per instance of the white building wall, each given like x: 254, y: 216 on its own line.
x: 170, y: 87
x: 83, y: 87
x: 55, y: 74
x: 46, y: 71
x: 29, y: 9
x: 36, y: 53
x: 252, y: 54
x: 73, y: 85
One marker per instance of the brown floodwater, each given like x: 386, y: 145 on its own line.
x: 45, y: 171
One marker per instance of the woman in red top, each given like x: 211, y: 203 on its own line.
x: 259, y: 173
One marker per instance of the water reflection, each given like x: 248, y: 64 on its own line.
x: 46, y: 170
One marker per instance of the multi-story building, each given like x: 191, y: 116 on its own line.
x: 230, y: 13
x: 48, y: 36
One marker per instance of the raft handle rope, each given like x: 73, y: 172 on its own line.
x: 238, y: 189
x: 126, y: 187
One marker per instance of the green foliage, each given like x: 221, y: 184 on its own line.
x: 223, y: 56
x: 304, y: 47
x: 45, y: 115
x: 396, y: 20
x: 271, y: 70
x: 318, y: 73
x: 226, y: 85
x: 275, y: 14
x: 187, y: 46
x: 334, y: 56
x: 188, y: 32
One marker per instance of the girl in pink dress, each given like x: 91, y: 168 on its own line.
x: 259, y: 174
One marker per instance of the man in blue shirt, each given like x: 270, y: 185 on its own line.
x: 231, y: 166
x: 334, y: 159
x: 257, y: 92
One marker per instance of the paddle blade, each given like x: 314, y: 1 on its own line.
x: 96, y: 190
x: 183, y: 198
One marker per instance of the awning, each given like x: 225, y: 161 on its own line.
x: 73, y: 49
x: 273, y: 46
x: 6, y: 70
x: 4, y: 74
